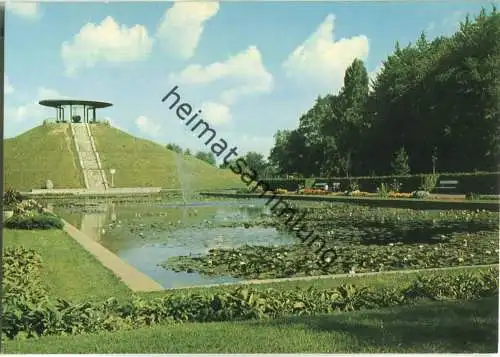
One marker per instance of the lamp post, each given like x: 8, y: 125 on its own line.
x: 112, y: 172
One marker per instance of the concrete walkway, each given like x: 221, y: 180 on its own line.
x: 133, y: 278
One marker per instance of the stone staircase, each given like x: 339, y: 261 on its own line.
x: 94, y: 175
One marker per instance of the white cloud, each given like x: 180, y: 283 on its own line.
x: 216, y: 113
x: 47, y: 93
x: 27, y: 10
x: 147, y: 126
x: 244, y: 74
x: 182, y: 26
x: 321, y: 59
x: 33, y: 111
x: 106, y: 42
x: 7, y: 87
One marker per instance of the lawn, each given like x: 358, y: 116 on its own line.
x: 454, y: 326
x: 43, y: 153
x: 68, y: 270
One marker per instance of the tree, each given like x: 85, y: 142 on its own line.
x: 256, y: 162
x: 348, y: 119
x: 187, y: 152
x: 208, y: 157
x: 400, y: 164
x: 443, y: 92
x: 174, y: 147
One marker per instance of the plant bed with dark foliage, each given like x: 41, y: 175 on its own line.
x: 34, y: 221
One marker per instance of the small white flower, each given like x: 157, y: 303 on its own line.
x: 436, y: 248
x: 460, y: 259
x: 488, y: 252
x: 242, y: 263
x: 391, y: 244
x: 328, y: 259
x: 421, y: 246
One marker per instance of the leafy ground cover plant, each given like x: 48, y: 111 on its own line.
x: 31, y: 220
x: 29, y: 313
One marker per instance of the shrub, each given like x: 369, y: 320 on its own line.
x: 429, y: 182
x: 395, y: 186
x: 420, y: 194
x: 34, y: 221
x: 472, y: 196
x: 353, y: 185
x: 28, y: 207
x: 400, y: 164
x: 382, y: 190
x: 11, y: 197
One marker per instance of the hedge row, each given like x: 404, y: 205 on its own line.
x: 486, y: 183
x: 29, y: 312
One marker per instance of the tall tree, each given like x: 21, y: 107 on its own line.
x: 208, y: 157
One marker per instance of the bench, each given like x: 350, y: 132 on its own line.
x: 323, y: 186
x: 447, y: 185
x: 320, y: 186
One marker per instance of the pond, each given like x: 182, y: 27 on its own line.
x: 146, y: 234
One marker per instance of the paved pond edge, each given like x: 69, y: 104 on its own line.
x: 130, y: 276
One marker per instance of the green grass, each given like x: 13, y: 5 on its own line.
x: 43, y: 153
x: 68, y: 270
x: 439, y: 327
x: 143, y: 163
x: 47, y: 152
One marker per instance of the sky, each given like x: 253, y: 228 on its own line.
x: 253, y: 68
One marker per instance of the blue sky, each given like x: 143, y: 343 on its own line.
x: 252, y: 67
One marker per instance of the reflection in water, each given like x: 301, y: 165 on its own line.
x: 145, y: 235
x: 92, y: 224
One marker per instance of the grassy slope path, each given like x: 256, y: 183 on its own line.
x: 143, y: 163
x: 43, y: 153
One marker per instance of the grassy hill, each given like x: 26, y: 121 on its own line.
x: 48, y: 152
x: 43, y: 153
x: 143, y: 163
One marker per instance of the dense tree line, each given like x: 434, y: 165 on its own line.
x: 434, y: 104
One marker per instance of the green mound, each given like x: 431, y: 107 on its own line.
x: 48, y: 152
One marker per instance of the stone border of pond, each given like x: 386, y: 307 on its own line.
x: 370, y: 201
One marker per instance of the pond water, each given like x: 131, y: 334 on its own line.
x: 147, y: 234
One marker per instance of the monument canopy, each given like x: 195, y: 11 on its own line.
x: 73, y: 106
x: 56, y: 103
